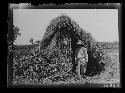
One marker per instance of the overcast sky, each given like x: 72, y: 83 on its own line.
x: 101, y: 23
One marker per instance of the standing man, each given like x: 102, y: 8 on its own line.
x: 81, y: 60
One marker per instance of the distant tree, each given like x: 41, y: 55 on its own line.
x: 31, y: 41
x: 16, y: 32
x: 11, y: 40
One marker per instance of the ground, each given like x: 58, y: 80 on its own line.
x: 109, y: 78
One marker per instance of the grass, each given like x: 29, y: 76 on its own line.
x: 110, y: 76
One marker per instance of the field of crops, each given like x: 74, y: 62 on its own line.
x: 32, y: 69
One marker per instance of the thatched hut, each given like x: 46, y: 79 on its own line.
x: 61, y: 40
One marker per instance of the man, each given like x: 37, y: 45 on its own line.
x: 81, y: 60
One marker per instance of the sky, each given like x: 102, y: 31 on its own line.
x: 101, y: 23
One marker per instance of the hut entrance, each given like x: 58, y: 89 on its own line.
x: 81, y: 59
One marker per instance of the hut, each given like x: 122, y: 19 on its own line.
x: 60, y: 42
